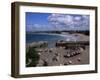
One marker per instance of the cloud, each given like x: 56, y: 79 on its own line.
x: 39, y: 27
x: 60, y: 18
x: 69, y: 22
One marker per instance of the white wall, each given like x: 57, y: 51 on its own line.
x: 5, y: 40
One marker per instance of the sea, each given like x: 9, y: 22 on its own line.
x: 50, y: 38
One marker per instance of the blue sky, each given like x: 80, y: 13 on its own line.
x: 52, y: 21
x: 36, y: 18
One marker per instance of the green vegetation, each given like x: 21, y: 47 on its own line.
x: 32, y: 57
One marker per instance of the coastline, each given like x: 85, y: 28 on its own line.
x: 51, y: 34
x: 64, y: 52
x: 67, y: 36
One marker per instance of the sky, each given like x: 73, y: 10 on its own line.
x: 56, y: 22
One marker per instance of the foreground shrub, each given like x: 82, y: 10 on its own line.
x: 32, y: 57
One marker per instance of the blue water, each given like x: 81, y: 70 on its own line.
x: 51, y: 39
